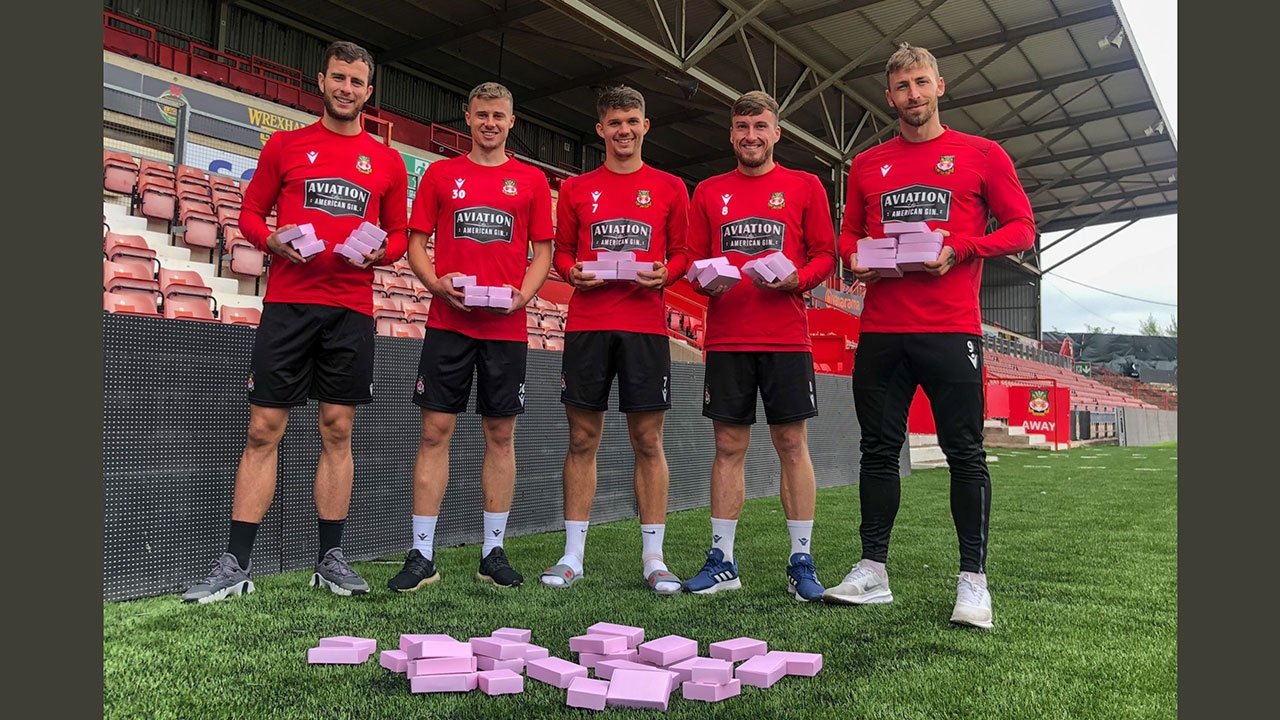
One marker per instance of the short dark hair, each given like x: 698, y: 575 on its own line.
x: 619, y: 97
x: 347, y: 52
x: 754, y: 103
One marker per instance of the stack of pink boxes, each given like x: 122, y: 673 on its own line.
x: 713, y: 273
x: 439, y: 663
x: 615, y: 265
x: 303, y: 239
x: 342, y: 650
x: 483, y: 295
x: 362, y: 241
x: 907, y: 247
x: 770, y: 268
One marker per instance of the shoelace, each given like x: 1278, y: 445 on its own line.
x: 418, y: 565
x: 712, y: 565
x: 805, y: 569
x: 223, y: 567
x: 337, y: 563
x: 970, y: 593
x: 858, y: 573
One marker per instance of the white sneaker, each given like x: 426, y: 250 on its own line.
x: 973, y: 603
x: 862, y: 586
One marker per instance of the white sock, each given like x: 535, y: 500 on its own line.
x: 651, y: 554
x: 575, y: 547
x: 495, y: 526
x: 722, y: 536
x: 424, y: 535
x: 801, y: 535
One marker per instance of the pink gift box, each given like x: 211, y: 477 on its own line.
x: 712, y: 672
x: 886, y: 268
x: 905, y: 228
x: 639, y: 689
x: 926, y: 238
x: 738, y: 649
x: 606, y: 668
x: 554, y: 671
x: 598, y: 644
x: 394, y: 660
x: 697, y: 266
x: 441, y: 666
x: 780, y: 264
x: 718, y: 276
x: 589, y: 660
x: 306, y: 250
x: 464, y: 281
x: 476, y: 291
x: 707, y: 692
x: 517, y: 634
x: 684, y: 669
x: 634, y: 635
x: 499, y: 291
x: 337, y: 655
x: 598, y: 266
x: 629, y: 654
x: 461, y: 682
x: 407, y: 640
x: 290, y: 235
x: 866, y: 244
x: 606, y: 275
x: 476, y: 301
x: 616, y: 256
x: 758, y: 269
x: 668, y: 650
x: 359, y: 242
x: 500, y: 682
x: 587, y: 693
x: 366, y: 644
x: 515, y: 665
x: 535, y: 652
x: 503, y: 303
x: 373, y: 231
x: 439, y: 648
x: 498, y: 648
x: 800, y: 663
x: 627, y: 269
x: 913, y: 261
x: 761, y: 671
x: 351, y: 253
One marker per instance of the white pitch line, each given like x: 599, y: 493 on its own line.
x: 1092, y: 467
x: 1043, y: 467
x: 1149, y: 469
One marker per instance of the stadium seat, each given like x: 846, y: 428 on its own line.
x: 125, y: 278
x: 189, y: 178
x: 119, y: 172
x: 409, y: 330
x: 240, y: 256
x: 416, y: 312
x: 177, y: 308
x: 152, y: 168
x: 130, y: 303
x: 157, y: 198
x: 235, y: 315
x: 200, y: 228
x: 400, y: 287
x: 183, y: 282
x: 222, y: 183
x: 223, y: 199
x: 387, y: 312
x: 130, y: 248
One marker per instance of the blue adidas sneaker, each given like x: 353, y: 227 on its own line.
x: 716, y: 575
x: 802, y: 578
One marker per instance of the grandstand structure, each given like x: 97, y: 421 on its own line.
x: 192, y: 90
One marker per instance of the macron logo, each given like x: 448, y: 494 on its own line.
x: 884, y: 170
x: 312, y: 156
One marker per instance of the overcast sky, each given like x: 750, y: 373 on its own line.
x: 1142, y: 260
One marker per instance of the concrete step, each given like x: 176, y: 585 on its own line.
x: 924, y: 457
x: 922, y: 440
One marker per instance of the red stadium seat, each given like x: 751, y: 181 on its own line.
x: 177, y: 308
x: 119, y: 172
x: 234, y: 315
x: 409, y: 330
x: 183, y: 282
x: 130, y: 248
x: 130, y: 303
x: 416, y: 312
x: 157, y: 197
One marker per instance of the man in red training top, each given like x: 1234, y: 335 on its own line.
x: 618, y: 327
x: 485, y: 209
x: 924, y: 328
x: 316, y: 334
x: 758, y: 334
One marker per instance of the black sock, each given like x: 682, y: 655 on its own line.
x: 330, y: 535
x: 240, y: 542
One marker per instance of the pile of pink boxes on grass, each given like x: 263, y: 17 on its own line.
x: 615, y: 265
x: 495, y: 296
x: 907, y: 247
x: 629, y: 672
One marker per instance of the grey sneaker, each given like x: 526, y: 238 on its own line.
x: 334, y: 573
x: 862, y: 586
x: 225, y: 580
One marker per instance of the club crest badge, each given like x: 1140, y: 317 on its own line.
x: 421, y: 386
x: 643, y: 199
x: 777, y: 201
x: 509, y: 187
x: 1039, y: 404
x: 946, y: 165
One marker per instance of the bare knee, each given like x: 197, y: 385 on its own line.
x: 647, y: 442
x: 265, y: 430
x: 437, y: 430
x: 583, y: 440
x: 790, y: 441
x: 335, y: 431
x: 732, y: 445
x: 499, y: 433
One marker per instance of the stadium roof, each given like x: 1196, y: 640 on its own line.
x: 1057, y: 82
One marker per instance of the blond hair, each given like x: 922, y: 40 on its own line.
x: 910, y: 57
x: 490, y: 91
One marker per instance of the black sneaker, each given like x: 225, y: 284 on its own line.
x: 418, y: 570
x: 495, y: 569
